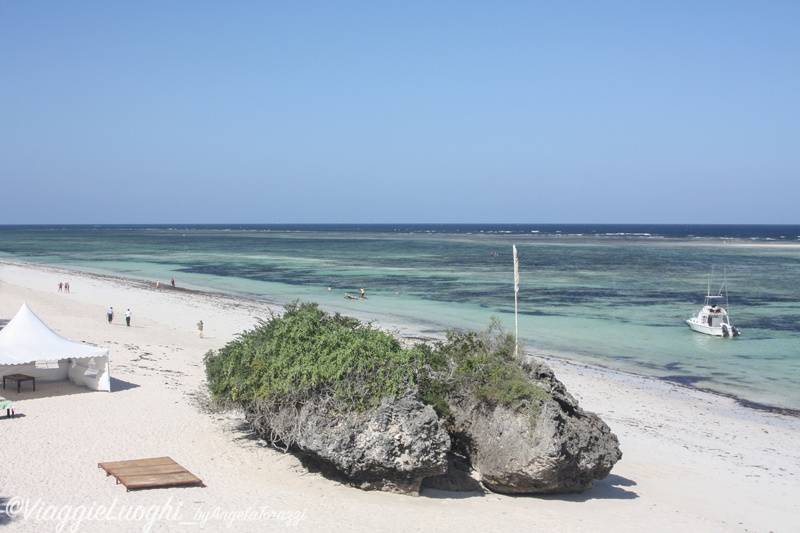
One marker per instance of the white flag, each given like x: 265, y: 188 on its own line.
x: 516, y: 270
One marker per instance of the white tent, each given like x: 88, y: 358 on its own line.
x: 28, y: 346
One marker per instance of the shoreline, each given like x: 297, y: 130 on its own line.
x: 413, y: 334
x: 691, y: 460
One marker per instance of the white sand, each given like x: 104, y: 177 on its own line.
x: 692, y: 461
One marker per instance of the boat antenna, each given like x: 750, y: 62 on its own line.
x: 725, y: 285
x: 708, y: 286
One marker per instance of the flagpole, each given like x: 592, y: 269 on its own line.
x: 516, y: 290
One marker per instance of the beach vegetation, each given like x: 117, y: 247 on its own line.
x: 487, y: 365
x: 306, y: 354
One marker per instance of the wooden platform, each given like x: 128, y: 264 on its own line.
x: 149, y: 473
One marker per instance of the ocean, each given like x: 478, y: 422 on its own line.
x: 613, y: 296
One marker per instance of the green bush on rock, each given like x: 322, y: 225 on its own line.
x: 308, y: 354
x: 486, y: 365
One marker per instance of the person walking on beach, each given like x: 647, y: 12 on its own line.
x: 158, y: 284
x: 60, y: 286
x: 173, y: 282
x: 66, y: 286
x: 110, y: 314
x: 200, y: 328
x: 128, y: 317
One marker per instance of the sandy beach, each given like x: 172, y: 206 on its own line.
x: 693, y: 461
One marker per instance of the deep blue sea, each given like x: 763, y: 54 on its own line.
x: 609, y: 295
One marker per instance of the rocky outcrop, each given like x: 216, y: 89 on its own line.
x: 392, y: 447
x: 548, y: 446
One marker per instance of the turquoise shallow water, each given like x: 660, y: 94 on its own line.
x: 609, y: 295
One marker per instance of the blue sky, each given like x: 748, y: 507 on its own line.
x: 378, y: 112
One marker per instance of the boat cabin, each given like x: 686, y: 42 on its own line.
x: 713, y: 311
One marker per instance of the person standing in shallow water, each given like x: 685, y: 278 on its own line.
x: 200, y: 328
x: 128, y: 317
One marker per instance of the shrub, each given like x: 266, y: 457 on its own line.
x: 308, y: 354
x: 486, y: 365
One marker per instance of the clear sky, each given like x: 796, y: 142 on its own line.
x: 380, y: 112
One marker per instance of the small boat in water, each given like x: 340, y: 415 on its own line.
x: 713, y: 319
x: 351, y: 297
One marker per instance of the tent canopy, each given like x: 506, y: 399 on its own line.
x: 26, y: 340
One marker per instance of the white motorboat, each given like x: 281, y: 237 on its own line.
x: 713, y: 319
